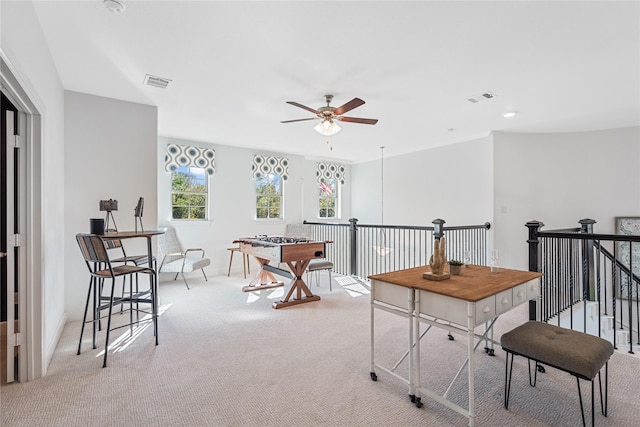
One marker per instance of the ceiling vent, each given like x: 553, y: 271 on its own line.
x: 482, y: 97
x: 155, y: 81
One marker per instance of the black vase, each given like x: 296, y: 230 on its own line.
x: 97, y: 225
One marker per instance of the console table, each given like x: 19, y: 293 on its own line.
x: 459, y: 304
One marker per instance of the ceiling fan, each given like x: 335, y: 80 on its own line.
x: 329, y: 115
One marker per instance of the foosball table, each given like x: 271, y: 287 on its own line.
x: 295, y: 252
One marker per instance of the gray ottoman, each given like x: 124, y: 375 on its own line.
x: 581, y: 355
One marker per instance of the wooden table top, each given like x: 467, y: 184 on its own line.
x: 131, y: 234
x: 474, y: 284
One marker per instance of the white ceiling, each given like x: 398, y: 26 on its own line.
x: 565, y: 66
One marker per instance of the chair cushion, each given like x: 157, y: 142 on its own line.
x: 191, y: 264
x: 320, y: 264
x: 572, y: 351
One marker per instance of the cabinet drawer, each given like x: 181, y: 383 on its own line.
x: 398, y: 296
x: 505, y: 301
x: 533, y: 289
x: 485, y: 310
x: 442, y: 307
x: 520, y: 294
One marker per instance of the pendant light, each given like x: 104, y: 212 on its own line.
x: 382, y: 248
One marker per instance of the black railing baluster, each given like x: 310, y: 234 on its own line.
x: 362, y: 249
x: 578, y: 269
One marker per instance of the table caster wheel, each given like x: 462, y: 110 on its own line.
x: 374, y: 377
x: 541, y: 369
x: 450, y: 337
x: 413, y: 398
x: 418, y: 402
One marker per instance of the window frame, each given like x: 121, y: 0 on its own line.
x: 206, y: 194
x: 335, y: 195
x: 279, y: 195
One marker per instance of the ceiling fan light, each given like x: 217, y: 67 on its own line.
x: 114, y: 6
x: 327, y: 128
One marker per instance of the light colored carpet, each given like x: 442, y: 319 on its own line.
x: 226, y: 358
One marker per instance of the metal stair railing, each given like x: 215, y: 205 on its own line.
x: 581, y: 268
x: 364, y: 249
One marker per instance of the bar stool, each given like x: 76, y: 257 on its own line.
x: 245, y: 261
x: 94, y: 252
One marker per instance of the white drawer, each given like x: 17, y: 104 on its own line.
x: 485, y: 310
x: 520, y: 294
x: 387, y: 293
x: 442, y: 307
x: 505, y: 301
x: 533, y: 289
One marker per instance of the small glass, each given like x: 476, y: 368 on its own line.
x: 467, y: 259
x: 494, y: 261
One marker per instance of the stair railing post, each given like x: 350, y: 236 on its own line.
x: 353, y: 240
x: 535, y: 259
x: 438, y: 228
x: 588, y: 266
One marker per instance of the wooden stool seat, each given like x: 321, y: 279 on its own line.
x: 245, y: 261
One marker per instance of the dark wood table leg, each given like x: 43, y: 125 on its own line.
x: 298, y: 285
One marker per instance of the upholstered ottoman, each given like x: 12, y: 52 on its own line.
x: 577, y: 353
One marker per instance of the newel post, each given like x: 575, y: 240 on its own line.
x: 535, y: 251
x: 588, y: 266
x: 438, y: 228
x: 535, y: 258
x: 353, y: 240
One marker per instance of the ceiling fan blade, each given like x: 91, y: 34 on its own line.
x: 358, y: 120
x: 298, y: 120
x: 304, y: 107
x: 355, y: 102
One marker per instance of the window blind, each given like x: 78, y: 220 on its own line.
x: 184, y: 155
x: 265, y: 165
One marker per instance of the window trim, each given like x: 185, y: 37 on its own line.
x: 281, y: 196
x: 337, y: 197
x: 206, y: 194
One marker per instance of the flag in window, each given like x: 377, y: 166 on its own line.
x: 325, y: 188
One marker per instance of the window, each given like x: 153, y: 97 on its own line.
x: 328, y: 198
x: 269, y: 196
x: 189, y: 193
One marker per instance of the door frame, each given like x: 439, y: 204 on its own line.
x: 32, y: 312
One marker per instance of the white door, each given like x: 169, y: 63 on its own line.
x: 13, y: 264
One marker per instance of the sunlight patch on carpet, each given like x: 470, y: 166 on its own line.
x: 253, y: 297
x: 353, y: 286
x: 121, y: 343
x: 277, y: 293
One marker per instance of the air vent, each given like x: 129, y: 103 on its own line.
x: 155, y: 81
x: 482, y: 97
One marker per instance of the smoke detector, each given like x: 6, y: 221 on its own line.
x: 114, y: 6
x: 155, y: 81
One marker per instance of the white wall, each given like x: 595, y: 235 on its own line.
x: 452, y: 182
x: 25, y: 49
x: 560, y: 179
x: 110, y: 152
x: 232, y: 204
x: 508, y: 179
